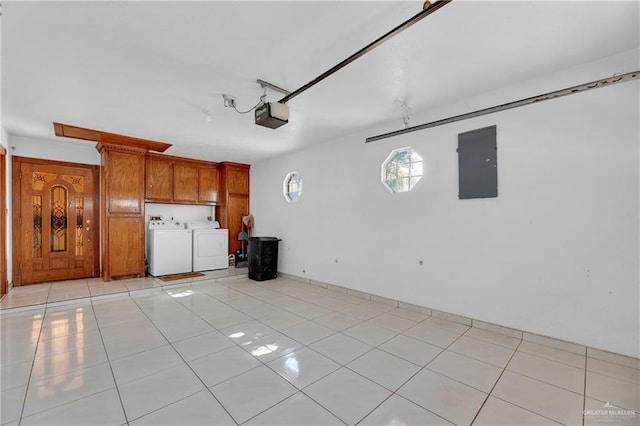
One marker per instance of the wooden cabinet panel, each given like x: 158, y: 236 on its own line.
x: 122, y: 211
x: 185, y: 182
x: 237, y: 180
x: 208, y: 182
x: 126, y: 246
x: 124, y: 172
x: 237, y: 206
x: 159, y: 179
x: 233, y: 199
x: 179, y: 180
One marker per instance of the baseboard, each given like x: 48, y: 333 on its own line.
x: 472, y: 322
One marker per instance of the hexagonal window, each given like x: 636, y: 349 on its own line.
x: 402, y: 170
x: 292, y: 187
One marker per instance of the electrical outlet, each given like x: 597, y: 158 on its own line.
x: 229, y: 101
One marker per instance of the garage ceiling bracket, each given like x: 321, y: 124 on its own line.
x: 515, y: 104
x: 267, y: 85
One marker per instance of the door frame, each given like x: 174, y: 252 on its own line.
x: 16, y: 165
x: 3, y: 222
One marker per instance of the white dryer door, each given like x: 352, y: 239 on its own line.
x: 210, y: 249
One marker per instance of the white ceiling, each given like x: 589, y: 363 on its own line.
x: 152, y: 69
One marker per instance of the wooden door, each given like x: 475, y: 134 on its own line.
x: 56, y: 205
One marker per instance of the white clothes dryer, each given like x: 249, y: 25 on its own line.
x: 210, y: 246
x: 168, y: 248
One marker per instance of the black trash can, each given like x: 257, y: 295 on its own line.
x: 263, y: 258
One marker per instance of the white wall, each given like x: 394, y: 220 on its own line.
x: 179, y: 212
x: 555, y: 254
x: 83, y: 152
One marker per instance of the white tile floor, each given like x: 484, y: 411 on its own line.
x: 228, y: 350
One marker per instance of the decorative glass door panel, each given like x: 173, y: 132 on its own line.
x: 57, y: 216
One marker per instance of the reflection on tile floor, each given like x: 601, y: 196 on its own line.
x: 63, y: 291
x: 227, y: 350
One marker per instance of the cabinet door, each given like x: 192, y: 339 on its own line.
x: 238, y: 206
x: 124, y: 174
x: 159, y: 184
x: 237, y: 180
x: 126, y: 246
x: 208, y: 184
x: 185, y: 182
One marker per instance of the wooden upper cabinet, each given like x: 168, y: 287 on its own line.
x: 124, y: 174
x: 178, y: 180
x: 237, y: 180
x: 185, y: 182
x: 208, y: 182
x: 159, y: 179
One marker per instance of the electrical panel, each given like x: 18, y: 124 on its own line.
x: 478, y: 164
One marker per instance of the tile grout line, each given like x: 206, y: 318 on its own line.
x: 184, y: 360
x: 511, y: 403
x: 113, y: 376
x: 208, y: 389
x: 35, y: 351
x: 545, y: 383
x: 298, y: 390
x: 584, y: 391
x: 425, y: 367
x: 422, y: 368
x: 403, y: 383
x: 303, y: 282
x: 191, y: 284
x: 31, y: 374
x: 495, y: 384
x: 301, y: 390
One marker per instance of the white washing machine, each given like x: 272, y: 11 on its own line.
x: 210, y: 246
x: 168, y: 248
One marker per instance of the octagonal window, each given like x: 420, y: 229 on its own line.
x: 402, y: 170
x: 292, y: 187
